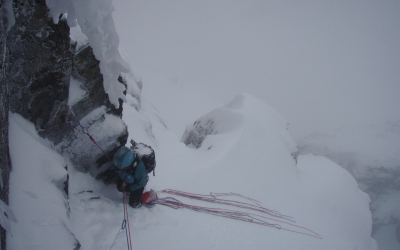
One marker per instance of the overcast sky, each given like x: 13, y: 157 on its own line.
x: 321, y: 64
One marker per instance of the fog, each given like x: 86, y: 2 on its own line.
x: 321, y: 64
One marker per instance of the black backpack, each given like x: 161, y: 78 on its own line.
x: 145, y: 154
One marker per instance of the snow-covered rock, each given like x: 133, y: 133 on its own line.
x: 232, y: 118
x: 55, y: 86
x: 94, y: 18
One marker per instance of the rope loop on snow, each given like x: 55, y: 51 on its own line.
x: 258, y: 214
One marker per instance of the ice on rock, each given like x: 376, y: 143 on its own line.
x: 94, y: 18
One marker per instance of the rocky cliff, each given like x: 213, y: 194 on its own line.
x: 38, y: 63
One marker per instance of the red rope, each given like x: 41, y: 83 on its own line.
x: 127, y: 218
x: 236, y: 215
x: 86, y: 131
x: 92, y: 139
x: 212, y: 198
x: 262, y: 224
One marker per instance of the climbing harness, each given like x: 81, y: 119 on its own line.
x: 258, y: 214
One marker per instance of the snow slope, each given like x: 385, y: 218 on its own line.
x: 36, y: 191
x: 372, y: 156
x: 253, y: 158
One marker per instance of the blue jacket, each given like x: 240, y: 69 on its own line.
x: 136, y: 181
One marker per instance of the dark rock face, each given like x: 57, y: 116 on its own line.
x: 37, y: 63
x: 39, y: 69
x: 81, y: 150
x: 4, y: 153
x: 83, y: 153
x: 41, y: 63
x: 86, y: 69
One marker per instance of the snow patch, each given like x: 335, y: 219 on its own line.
x: 77, y: 36
x: 8, y: 13
x: 58, y: 7
x: 141, y: 128
x: 133, y: 89
x: 76, y: 91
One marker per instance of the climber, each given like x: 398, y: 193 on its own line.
x: 130, y: 173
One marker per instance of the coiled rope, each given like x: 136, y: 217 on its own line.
x: 251, y: 217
